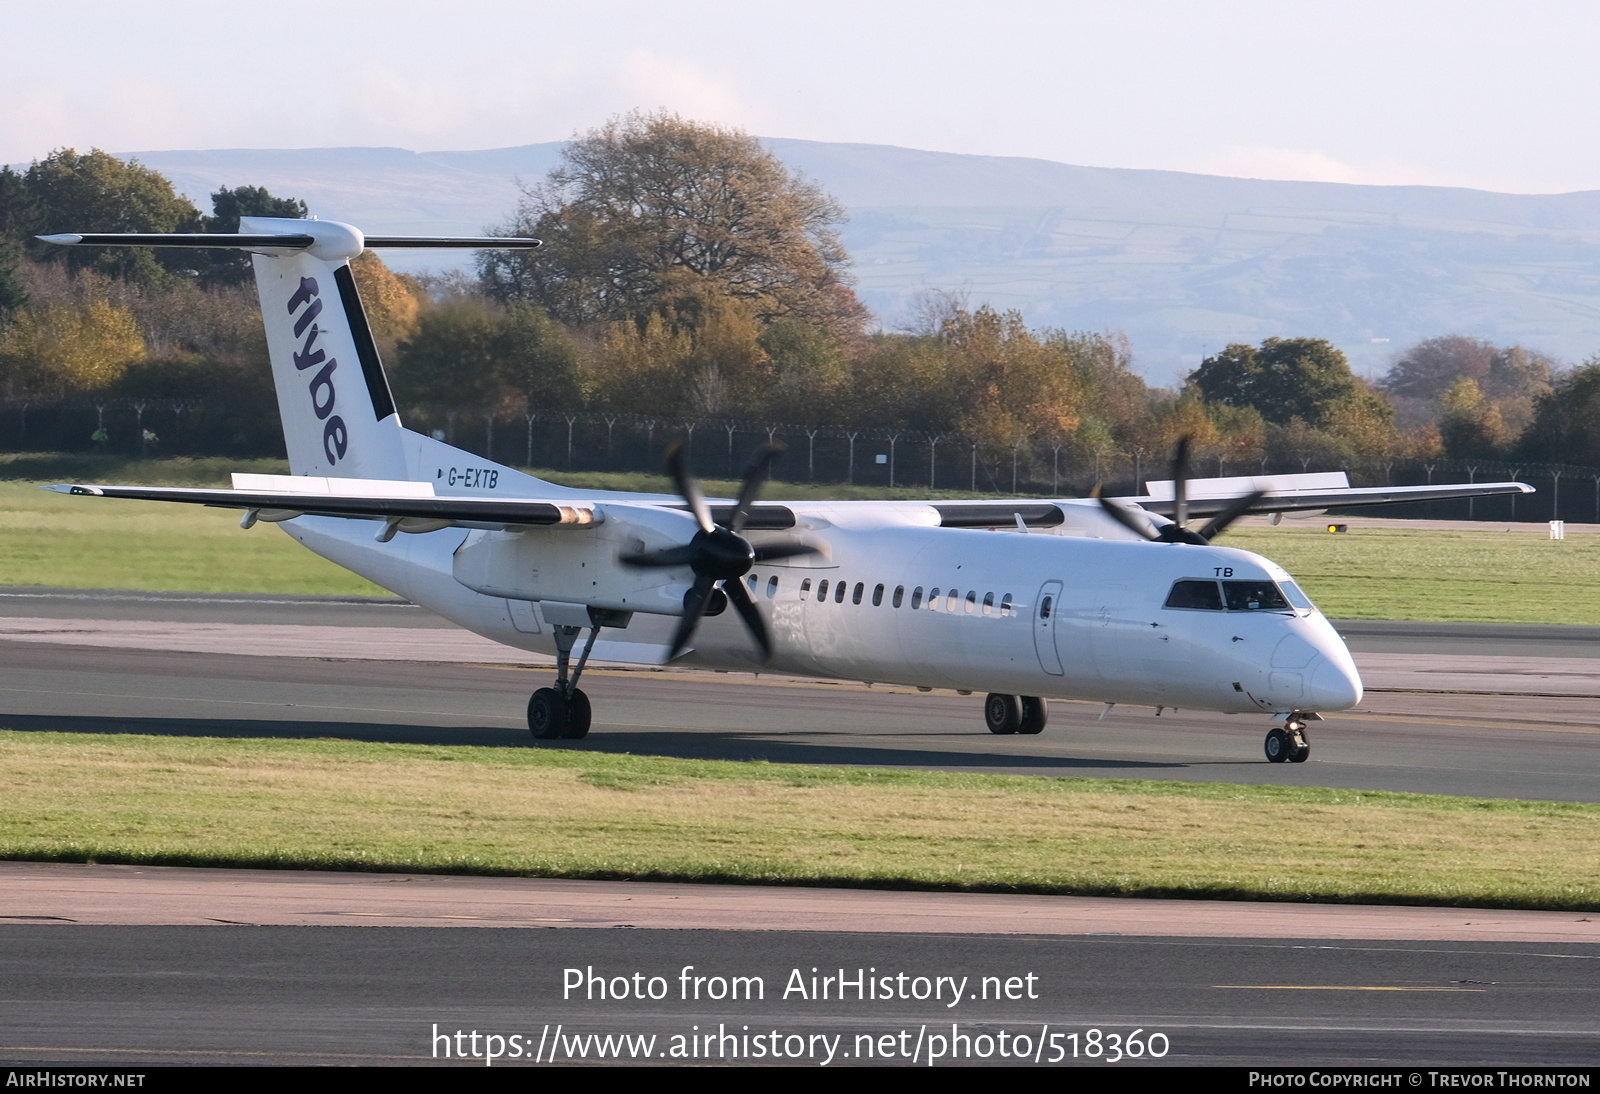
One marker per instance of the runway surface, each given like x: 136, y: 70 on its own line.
x: 110, y: 966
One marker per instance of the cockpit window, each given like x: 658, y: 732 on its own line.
x: 1254, y: 596
x: 1296, y: 597
x: 1196, y: 595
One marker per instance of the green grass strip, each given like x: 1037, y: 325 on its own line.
x: 562, y: 813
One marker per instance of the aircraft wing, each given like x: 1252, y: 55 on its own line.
x: 283, y: 504
x: 1302, y: 501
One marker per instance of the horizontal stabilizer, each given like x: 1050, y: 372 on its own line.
x: 289, y: 242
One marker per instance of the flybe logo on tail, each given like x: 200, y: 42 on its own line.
x: 335, y: 438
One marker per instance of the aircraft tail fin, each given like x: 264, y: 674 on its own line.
x: 339, y: 417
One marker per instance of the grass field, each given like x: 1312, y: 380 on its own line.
x: 49, y: 539
x: 1491, y: 575
x: 348, y: 805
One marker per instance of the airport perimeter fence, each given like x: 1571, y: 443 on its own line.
x: 720, y: 448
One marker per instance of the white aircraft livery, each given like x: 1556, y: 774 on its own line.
x: 1109, y: 600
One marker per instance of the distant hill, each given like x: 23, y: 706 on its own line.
x: 1182, y: 263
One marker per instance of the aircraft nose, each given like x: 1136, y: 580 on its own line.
x: 1334, y: 684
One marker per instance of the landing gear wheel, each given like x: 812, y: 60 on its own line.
x: 1299, y: 747
x: 1278, y: 745
x: 547, y: 715
x: 1002, y: 714
x: 577, y: 717
x: 1035, y: 714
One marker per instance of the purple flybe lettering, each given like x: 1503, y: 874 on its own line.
x: 335, y: 437
x: 305, y: 320
x: 303, y: 295
x: 323, y: 382
x: 303, y: 361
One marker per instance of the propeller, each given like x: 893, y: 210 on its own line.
x: 1179, y: 531
x: 718, y: 555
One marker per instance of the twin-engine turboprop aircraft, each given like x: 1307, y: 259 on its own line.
x: 1026, y: 600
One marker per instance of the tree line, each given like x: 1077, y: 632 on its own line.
x: 690, y: 284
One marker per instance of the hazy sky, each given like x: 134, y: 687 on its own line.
x: 1470, y: 93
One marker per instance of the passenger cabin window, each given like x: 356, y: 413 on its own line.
x: 972, y: 601
x: 805, y: 588
x: 1005, y: 605
x: 877, y: 597
x: 822, y: 591
x: 772, y: 587
x: 988, y: 603
x: 838, y: 592
x: 1044, y: 607
x: 933, y: 600
x: 1196, y: 596
x: 900, y: 595
x: 916, y: 598
x: 855, y: 594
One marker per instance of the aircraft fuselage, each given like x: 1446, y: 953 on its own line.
x: 985, y: 611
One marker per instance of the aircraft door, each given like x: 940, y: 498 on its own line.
x: 1046, y: 610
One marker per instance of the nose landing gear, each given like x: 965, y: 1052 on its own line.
x: 1288, y: 744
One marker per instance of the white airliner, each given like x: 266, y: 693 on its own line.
x: 1027, y: 600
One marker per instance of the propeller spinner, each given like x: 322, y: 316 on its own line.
x: 1179, y: 531
x: 719, y: 555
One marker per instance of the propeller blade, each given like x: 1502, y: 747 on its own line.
x: 667, y: 557
x: 766, y: 552
x: 1123, y: 516
x: 755, y: 477
x: 1219, y: 523
x: 688, y: 487
x: 694, y: 606
x: 740, y: 596
x: 1180, y: 482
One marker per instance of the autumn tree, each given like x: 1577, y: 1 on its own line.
x: 651, y: 211
x: 227, y: 207
x: 1285, y: 378
x: 52, y: 351
x: 1510, y: 379
x: 97, y: 192
x: 393, y: 302
x: 471, y: 355
x: 1471, y: 425
x: 1566, y: 422
x: 1010, y: 386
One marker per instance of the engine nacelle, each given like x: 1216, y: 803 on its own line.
x: 578, y: 565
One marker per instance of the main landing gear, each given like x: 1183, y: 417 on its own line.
x: 1288, y: 744
x: 562, y: 712
x: 1013, y: 714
